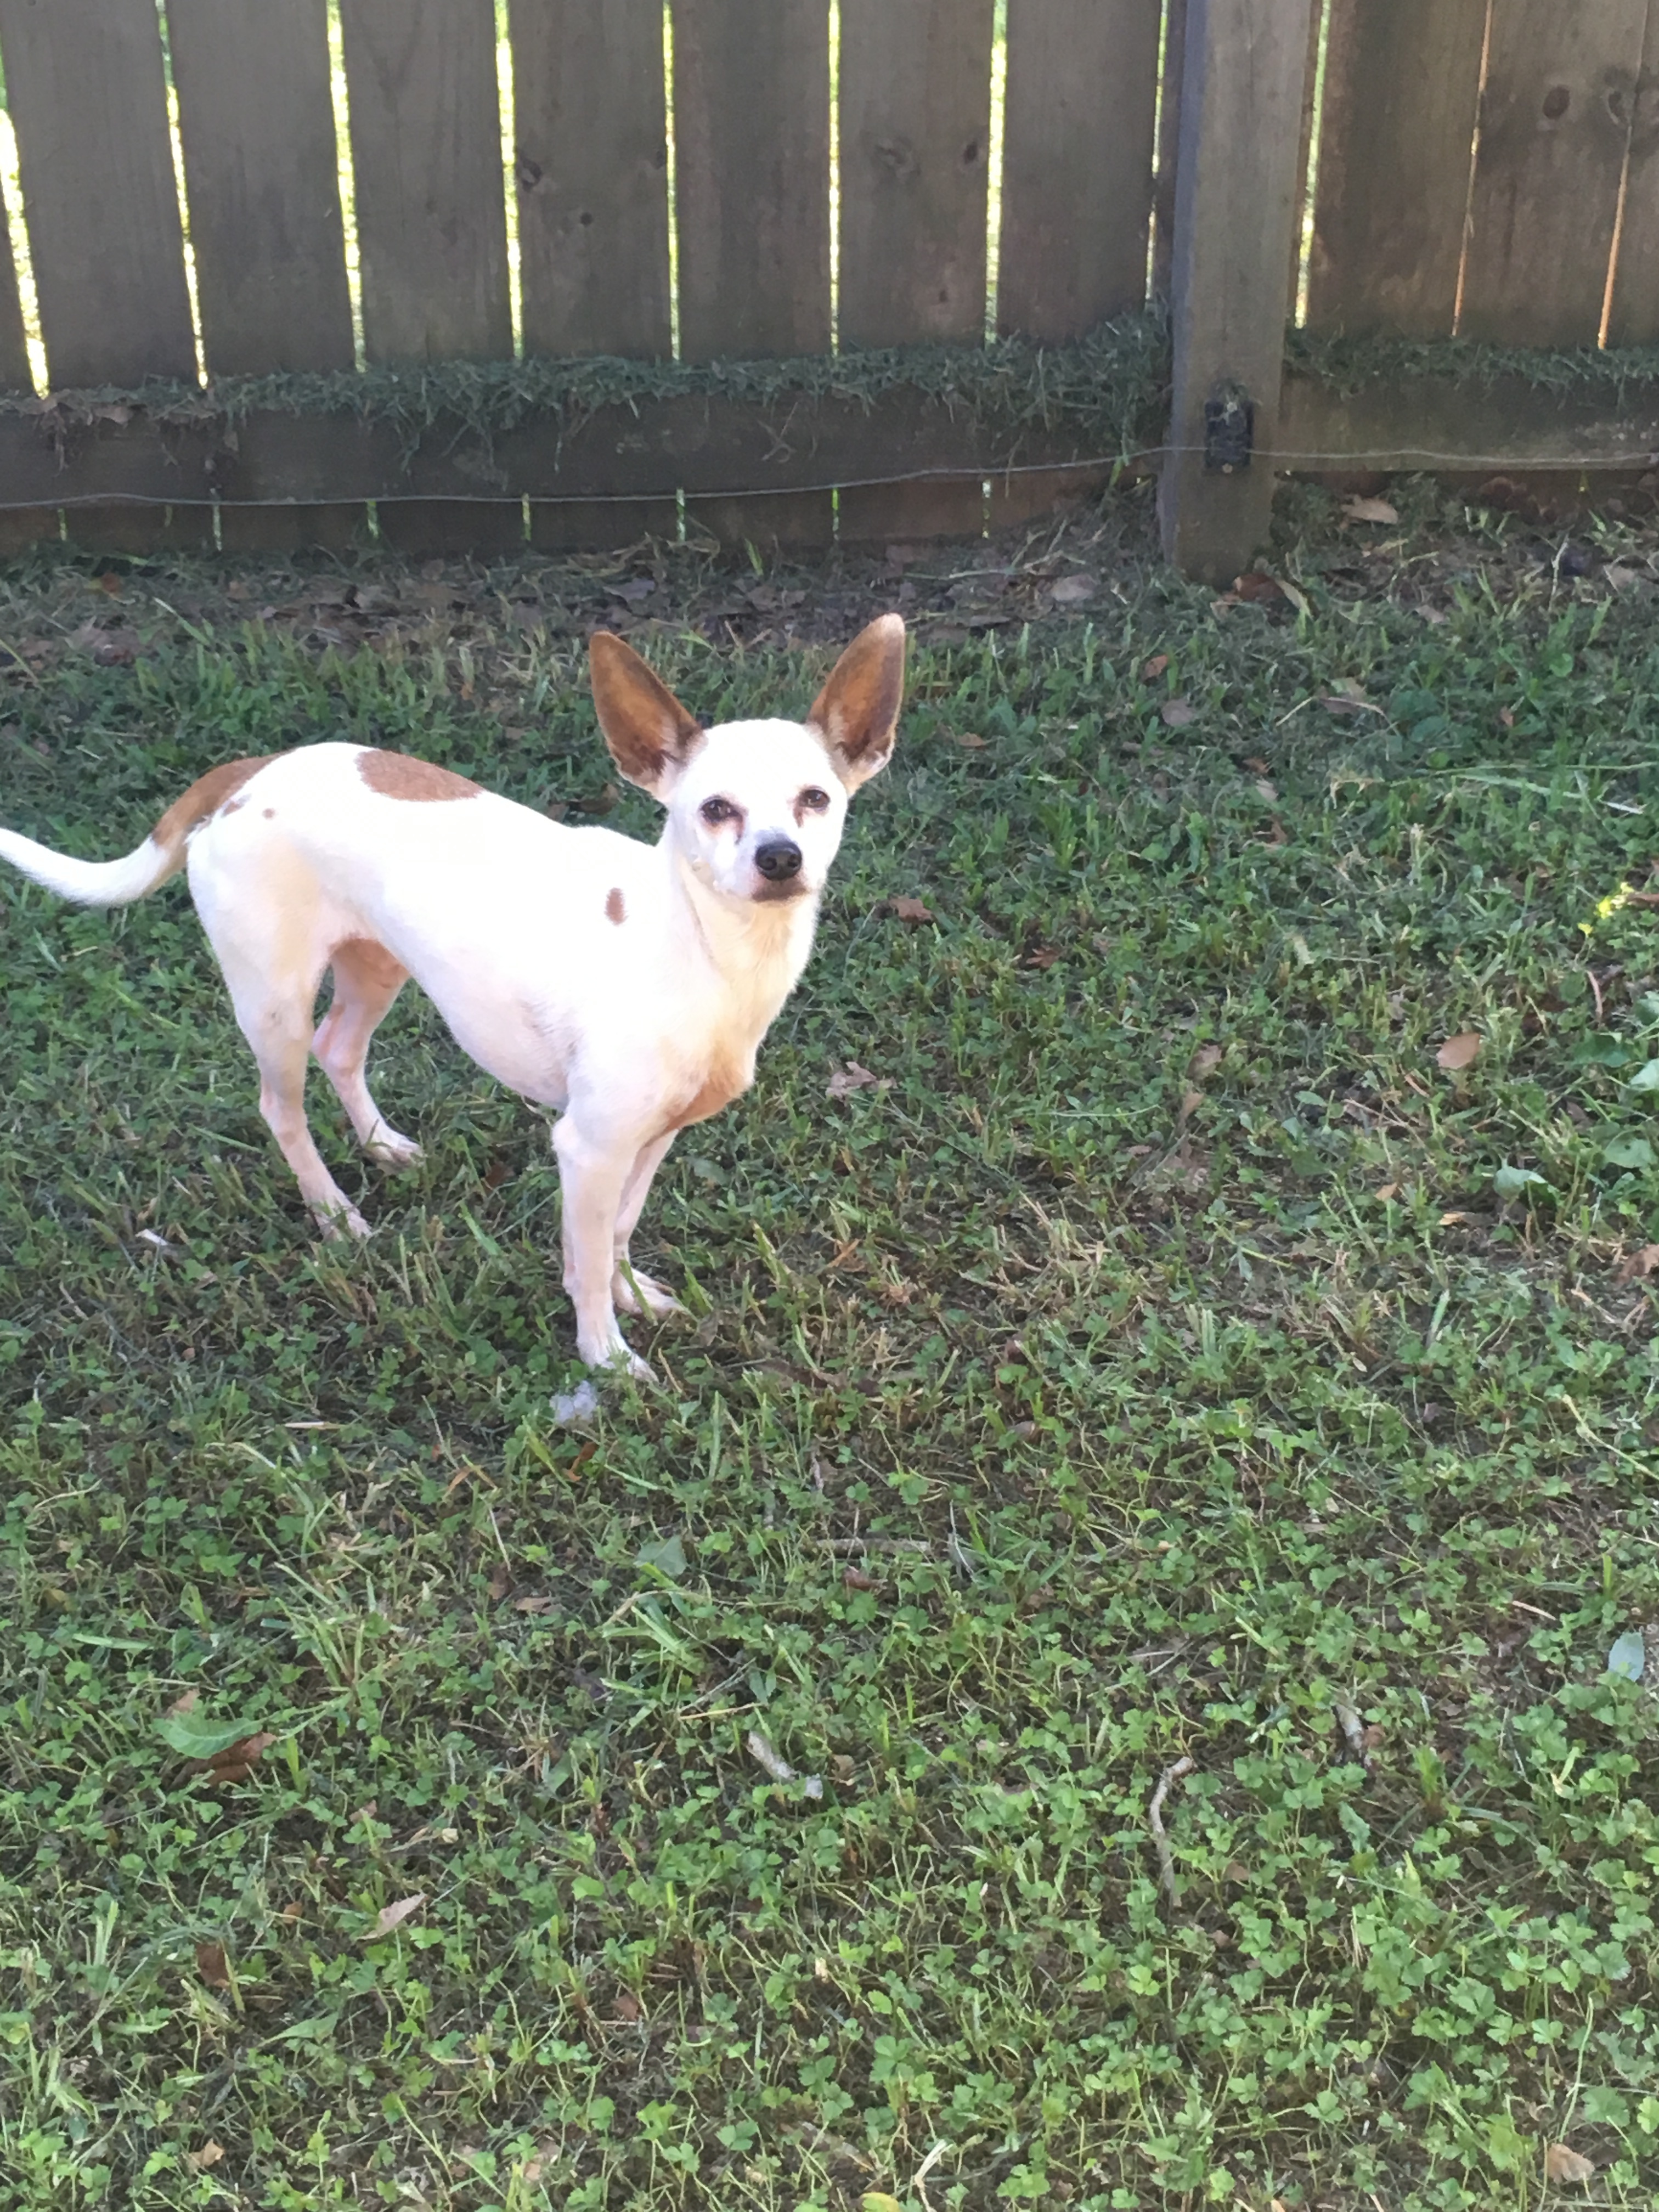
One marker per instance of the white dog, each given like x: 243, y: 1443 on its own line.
x: 629, y: 985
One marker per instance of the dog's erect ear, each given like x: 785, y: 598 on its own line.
x: 856, y: 714
x: 650, y: 734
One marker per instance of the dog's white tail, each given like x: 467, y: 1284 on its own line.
x: 118, y: 883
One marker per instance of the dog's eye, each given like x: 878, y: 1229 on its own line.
x: 716, y: 810
x: 813, y: 799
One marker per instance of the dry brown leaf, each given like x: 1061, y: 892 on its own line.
x: 393, y: 1916
x: 1044, y: 956
x: 1178, y: 713
x: 1641, y: 1264
x: 849, y: 1078
x: 212, y: 1965
x: 236, y: 1761
x: 1451, y: 1220
x: 1072, y: 591
x: 1561, y: 2164
x: 184, y: 1705
x: 1371, y: 510
x: 908, y: 909
x: 1152, y: 669
x: 1204, y: 1062
x: 855, y: 1578
x: 1389, y: 1190
x: 972, y: 739
x: 1255, y: 762
x: 627, y: 2006
x: 1256, y: 585
x: 1459, y: 1051
x: 1189, y: 1104
x: 1267, y: 791
x: 209, y: 2154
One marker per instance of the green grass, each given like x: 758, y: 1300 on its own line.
x: 1177, y: 1434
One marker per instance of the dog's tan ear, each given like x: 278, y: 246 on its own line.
x: 650, y: 735
x: 856, y: 714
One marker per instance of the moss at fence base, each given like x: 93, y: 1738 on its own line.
x: 1110, y: 388
x: 1346, y: 366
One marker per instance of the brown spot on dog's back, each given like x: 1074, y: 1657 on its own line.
x: 206, y: 796
x: 400, y: 775
x: 616, y: 907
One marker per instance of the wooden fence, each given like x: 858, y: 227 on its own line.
x: 718, y: 180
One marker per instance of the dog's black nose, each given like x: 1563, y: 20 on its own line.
x: 778, y: 859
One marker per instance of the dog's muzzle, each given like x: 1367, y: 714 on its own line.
x: 778, y: 859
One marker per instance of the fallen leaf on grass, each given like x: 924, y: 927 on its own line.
x: 1371, y: 510
x: 908, y: 909
x: 1044, y: 956
x: 212, y: 1965
x: 1178, y: 713
x: 626, y: 2006
x: 1151, y: 670
x: 393, y: 1916
x: 1204, y: 1062
x: 1641, y: 1263
x: 973, y: 741
x: 1072, y: 591
x: 844, y: 1080
x: 1459, y: 1051
x: 1389, y: 1190
x: 209, y: 2154
x: 1629, y: 1656
x: 1561, y: 2164
x: 878, y: 2200
x: 1451, y: 1220
x: 1267, y: 791
x: 855, y: 1578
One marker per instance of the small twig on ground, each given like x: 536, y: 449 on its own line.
x: 762, y: 1751
x: 916, y: 1546
x: 1354, y: 1729
x: 1166, y: 1872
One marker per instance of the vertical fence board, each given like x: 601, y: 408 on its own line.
x: 88, y: 97
x: 1236, y: 214
x: 915, y: 139
x: 261, y: 173
x: 1168, y: 146
x: 751, y: 127
x: 15, y: 374
x: 426, y: 152
x: 1554, y: 122
x: 1077, y: 163
x: 590, y: 127
x: 1635, y: 317
x: 1402, y: 82
x: 589, y: 120
x: 751, y: 137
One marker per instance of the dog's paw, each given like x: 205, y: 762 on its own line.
x: 388, y: 1149
x: 342, y: 1224
x: 616, y: 1357
x: 635, y: 1293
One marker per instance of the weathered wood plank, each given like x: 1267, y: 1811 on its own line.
x: 87, y: 99
x: 1168, y: 146
x: 1498, y: 425
x: 15, y: 374
x: 589, y: 120
x: 426, y: 150
x: 916, y: 137
x: 1402, y: 82
x: 752, y: 135
x: 1634, y: 320
x: 261, y: 173
x: 1555, y: 124
x: 1077, y: 163
x: 1234, y: 217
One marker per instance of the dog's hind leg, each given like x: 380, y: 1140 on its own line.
x: 366, y: 979
x: 634, y: 1292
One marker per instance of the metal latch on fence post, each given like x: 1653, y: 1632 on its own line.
x: 1229, y: 430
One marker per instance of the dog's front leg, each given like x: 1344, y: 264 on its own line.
x: 632, y: 1292
x: 593, y: 1172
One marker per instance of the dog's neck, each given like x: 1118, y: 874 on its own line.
x: 754, y: 949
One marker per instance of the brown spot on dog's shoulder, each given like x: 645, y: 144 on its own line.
x: 206, y: 796
x: 400, y: 775
x: 616, y: 907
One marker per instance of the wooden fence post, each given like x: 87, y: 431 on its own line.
x: 1235, y: 212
